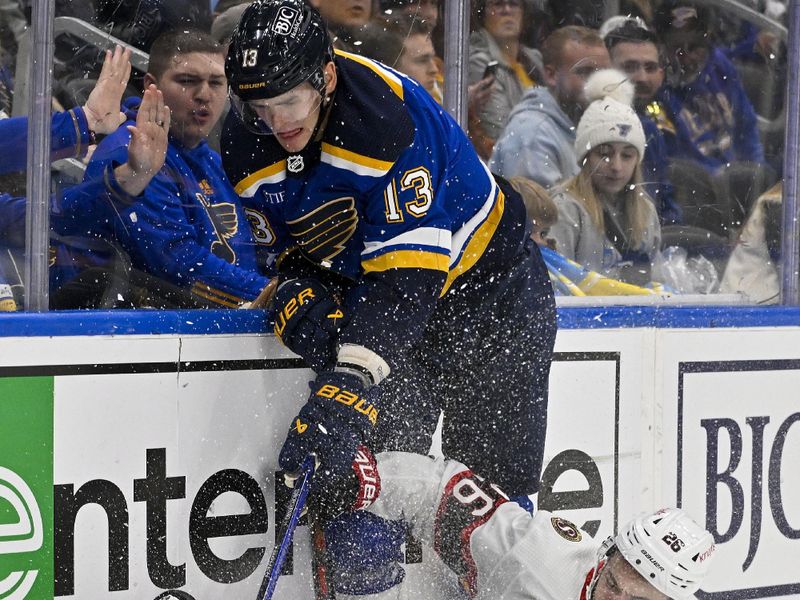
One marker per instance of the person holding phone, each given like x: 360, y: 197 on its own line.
x: 499, y: 61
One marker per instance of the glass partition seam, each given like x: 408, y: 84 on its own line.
x: 790, y: 245
x: 456, y: 51
x: 37, y: 228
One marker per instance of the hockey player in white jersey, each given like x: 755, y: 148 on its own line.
x: 500, y: 552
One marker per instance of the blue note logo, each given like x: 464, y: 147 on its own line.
x: 21, y: 532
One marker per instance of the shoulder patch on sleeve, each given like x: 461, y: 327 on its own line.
x: 566, y: 529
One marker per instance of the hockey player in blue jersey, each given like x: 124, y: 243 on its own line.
x: 187, y: 225
x: 409, y: 282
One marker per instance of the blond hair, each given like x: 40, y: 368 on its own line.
x: 635, y: 210
x: 539, y: 207
x: 554, y: 44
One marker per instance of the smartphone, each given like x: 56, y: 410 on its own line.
x: 491, y: 68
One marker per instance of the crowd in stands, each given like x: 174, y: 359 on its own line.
x: 624, y: 135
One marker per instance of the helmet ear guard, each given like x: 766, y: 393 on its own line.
x: 604, y: 552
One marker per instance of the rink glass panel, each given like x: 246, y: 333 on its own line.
x: 720, y: 206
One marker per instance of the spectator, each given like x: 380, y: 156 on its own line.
x: 72, y: 133
x: 345, y: 20
x: 404, y: 44
x: 538, y: 141
x: 714, y: 120
x: 13, y: 25
x: 225, y: 23
x: 140, y: 22
x: 586, y: 13
x: 187, y: 225
x: 424, y: 11
x: 540, y: 208
x: 753, y: 267
x: 518, y: 67
x: 90, y: 273
x: 606, y: 221
x: 634, y: 50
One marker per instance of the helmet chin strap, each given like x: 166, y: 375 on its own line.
x: 322, y: 120
x: 604, y: 552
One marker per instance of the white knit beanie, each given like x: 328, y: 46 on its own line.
x: 609, y: 117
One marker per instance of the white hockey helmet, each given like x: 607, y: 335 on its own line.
x: 669, y: 550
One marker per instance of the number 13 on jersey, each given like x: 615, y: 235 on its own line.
x: 417, y: 179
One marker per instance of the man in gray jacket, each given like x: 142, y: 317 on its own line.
x: 538, y: 140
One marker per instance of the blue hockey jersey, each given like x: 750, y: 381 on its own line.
x: 654, y: 170
x: 715, y: 123
x: 187, y: 227
x: 69, y: 136
x: 390, y: 194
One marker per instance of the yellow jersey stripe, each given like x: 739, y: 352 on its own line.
x: 215, y: 300
x: 358, y: 163
x: 271, y: 174
x: 478, y: 243
x: 407, y: 259
x: 199, y: 286
x: 392, y: 80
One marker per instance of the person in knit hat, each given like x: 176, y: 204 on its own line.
x: 606, y: 221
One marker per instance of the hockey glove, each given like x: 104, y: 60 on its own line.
x: 308, y: 320
x: 366, y: 553
x: 525, y: 502
x: 335, y: 422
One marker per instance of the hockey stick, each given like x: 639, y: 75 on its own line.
x: 297, y: 503
x: 320, y: 561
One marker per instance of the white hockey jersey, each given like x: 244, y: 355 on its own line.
x: 498, y: 550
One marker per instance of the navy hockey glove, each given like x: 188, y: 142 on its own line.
x: 525, y: 502
x: 308, y: 320
x: 366, y: 553
x: 337, y: 419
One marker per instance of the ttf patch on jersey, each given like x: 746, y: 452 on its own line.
x: 566, y: 529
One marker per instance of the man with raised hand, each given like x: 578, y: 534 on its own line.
x: 186, y: 225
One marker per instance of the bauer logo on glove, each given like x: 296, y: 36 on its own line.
x: 369, y: 481
x: 348, y: 398
x: 288, y: 310
x: 307, y: 320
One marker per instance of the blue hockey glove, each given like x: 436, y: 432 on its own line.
x: 365, y: 550
x: 308, y: 320
x: 338, y: 418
